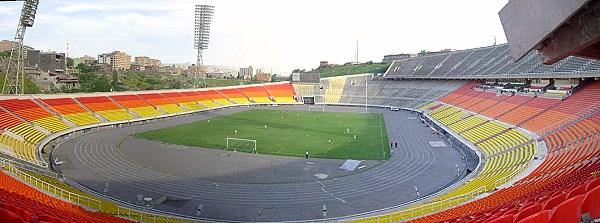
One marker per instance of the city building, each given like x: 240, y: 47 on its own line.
x: 87, y: 60
x: 265, y: 77
x: 117, y: 59
x: 246, y: 73
x: 6, y: 45
x: 104, y: 58
x: 46, y: 62
x: 120, y: 61
x: 146, y: 61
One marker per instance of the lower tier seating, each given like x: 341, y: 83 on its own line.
x: 21, y: 203
x: 22, y: 150
x: 29, y: 133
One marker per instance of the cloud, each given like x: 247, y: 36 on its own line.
x: 263, y: 33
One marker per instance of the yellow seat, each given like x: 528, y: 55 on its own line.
x: 83, y: 118
x: 171, y: 108
x: 52, y: 123
x: 116, y: 115
x: 146, y: 112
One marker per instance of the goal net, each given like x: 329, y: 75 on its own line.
x: 316, y: 108
x: 243, y: 145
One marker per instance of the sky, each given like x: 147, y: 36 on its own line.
x: 272, y: 34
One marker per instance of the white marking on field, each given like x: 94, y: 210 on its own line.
x: 330, y: 194
x: 437, y: 144
x: 350, y: 165
x: 321, y: 176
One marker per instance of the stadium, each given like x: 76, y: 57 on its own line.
x: 458, y: 136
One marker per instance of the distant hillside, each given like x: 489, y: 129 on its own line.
x: 353, y: 69
x: 225, y: 82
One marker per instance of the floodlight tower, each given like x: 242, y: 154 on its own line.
x: 15, y: 71
x: 204, y: 15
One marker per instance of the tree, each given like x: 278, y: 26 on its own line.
x: 4, y: 53
x: 85, y: 68
x: 115, y: 81
x: 70, y: 62
x: 424, y: 52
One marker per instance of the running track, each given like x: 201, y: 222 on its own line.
x: 94, y: 159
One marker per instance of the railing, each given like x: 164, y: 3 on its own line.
x: 86, y: 200
x: 426, y: 209
x: 145, y: 217
x: 30, y: 167
x: 499, y: 182
x: 70, y: 196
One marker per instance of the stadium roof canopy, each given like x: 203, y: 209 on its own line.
x: 556, y: 28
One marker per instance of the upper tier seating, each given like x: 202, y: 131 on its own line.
x: 583, y: 102
x: 186, y: 101
x: 8, y: 122
x: 235, y: 96
x: 216, y: 97
x: 202, y: 101
x: 308, y: 90
x: 103, y: 106
x: 488, y: 62
x: 72, y: 111
x: 161, y: 102
x: 334, y: 87
x: 282, y: 93
x: 136, y: 105
x: 257, y: 94
x: 32, y: 112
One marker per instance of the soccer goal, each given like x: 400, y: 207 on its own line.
x: 243, y: 145
x: 316, y: 108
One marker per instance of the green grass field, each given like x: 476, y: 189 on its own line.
x: 353, y: 69
x: 288, y: 133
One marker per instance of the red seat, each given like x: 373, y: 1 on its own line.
x: 9, y: 217
x: 24, y: 214
x: 555, y: 200
x: 576, y: 191
x: 591, y: 203
x: 51, y: 219
x: 527, y: 211
x: 592, y: 184
x: 503, y: 219
x: 540, y: 217
x: 568, y: 211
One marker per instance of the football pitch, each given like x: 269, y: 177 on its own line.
x: 334, y: 135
